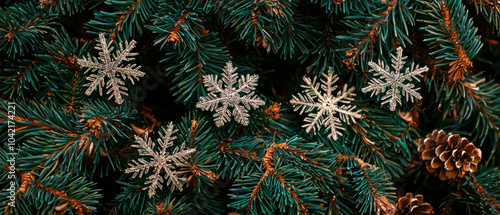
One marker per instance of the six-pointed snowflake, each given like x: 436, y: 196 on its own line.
x: 160, y: 160
x: 325, y: 109
x: 229, y: 96
x: 394, y: 80
x: 109, y: 66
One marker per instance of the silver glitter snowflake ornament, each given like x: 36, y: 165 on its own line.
x: 394, y: 81
x: 160, y: 161
x: 220, y: 98
x: 110, y: 66
x: 324, y: 108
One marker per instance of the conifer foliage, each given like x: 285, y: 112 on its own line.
x: 249, y: 107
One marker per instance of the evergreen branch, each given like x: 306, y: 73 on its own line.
x: 238, y: 157
x: 62, y: 53
x: 23, y: 76
x: 374, y: 180
x: 269, y: 24
x: 345, y: 6
x: 481, y: 96
x: 372, y: 186
x: 132, y: 199
x: 490, y: 10
x: 54, y: 144
x: 187, y: 67
x: 482, y: 191
x: 239, y: 153
x: 369, y: 134
x: 65, y: 6
x: 174, y: 206
x: 61, y: 193
x: 180, y: 24
x: 449, y: 22
x: 323, y: 53
x: 269, y: 171
x: 128, y: 19
x: 281, y: 162
x: 22, y: 28
x: 389, y: 24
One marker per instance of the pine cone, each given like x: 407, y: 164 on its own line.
x: 407, y: 205
x: 449, y: 155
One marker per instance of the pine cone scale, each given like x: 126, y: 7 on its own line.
x: 436, y: 163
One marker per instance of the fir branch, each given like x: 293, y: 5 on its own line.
x: 373, y: 190
x: 379, y: 193
x: 22, y: 27
x: 378, y: 30
x: 54, y: 144
x: 239, y: 153
x: 187, y: 67
x: 128, y: 19
x: 179, y: 24
x: 448, y: 21
x: 323, y: 53
x: 490, y: 10
x: 482, y: 97
x: 22, y: 78
x: 269, y: 171
x: 482, y: 191
x: 261, y: 22
x: 463, y: 65
x: 64, y: 6
x: 367, y: 144
x: 345, y: 6
x: 61, y: 193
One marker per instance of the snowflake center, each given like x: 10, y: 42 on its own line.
x: 231, y: 96
x: 160, y: 161
x: 329, y: 103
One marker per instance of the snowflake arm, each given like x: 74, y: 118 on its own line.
x: 209, y: 102
x: 212, y: 85
x: 117, y: 87
x: 333, y: 125
x: 304, y: 102
x: 251, y: 101
x: 394, y: 82
x: 414, y: 72
x: 247, y: 84
x: 222, y: 115
x: 312, y: 89
x: 105, y: 54
x: 159, y: 160
x: 314, y: 120
x: 130, y: 72
x: 223, y: 96
x: 229, y: 76
x: 96, y: 81
x: 124, y: 55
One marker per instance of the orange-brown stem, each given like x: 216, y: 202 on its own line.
x: 463, y: 65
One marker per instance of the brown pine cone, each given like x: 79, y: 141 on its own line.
x: 407, y: 205
x: 449, y: 155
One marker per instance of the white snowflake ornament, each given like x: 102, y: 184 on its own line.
x: 394, y: 81
x: 220, y: 98
x: 324, y: 108
x: 160, y: 161
x: 110, y: 66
